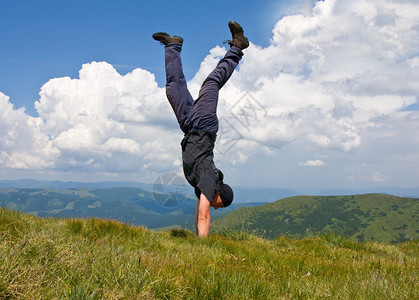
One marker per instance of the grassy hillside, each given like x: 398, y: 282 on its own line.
x: 367, y: 217
x: 103, y: 259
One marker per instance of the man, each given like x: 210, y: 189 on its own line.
x: 198, y: 120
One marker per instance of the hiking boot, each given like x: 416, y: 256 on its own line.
x: 165, y: 39
x: 239, y: 40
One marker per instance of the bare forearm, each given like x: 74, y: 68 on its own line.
x: 203, y: 226
x: 202, y: 216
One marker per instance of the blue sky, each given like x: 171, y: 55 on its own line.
x: 48, y: 39
x: 332, y: 88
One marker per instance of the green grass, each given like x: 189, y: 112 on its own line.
x: 104, y: 259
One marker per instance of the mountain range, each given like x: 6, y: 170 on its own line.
x: 130, y: 205
x: 363, y: 217
x: 242, y: 194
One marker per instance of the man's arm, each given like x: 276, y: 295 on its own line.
x: 202, y: 216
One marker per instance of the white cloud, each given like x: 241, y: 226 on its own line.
x: 328, y: 75
x: 331, y: 82
x: 23, y: 144
x: 313, y: 163
x: 122, y: 145
x: 100, y: 122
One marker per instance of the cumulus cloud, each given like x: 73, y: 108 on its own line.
x: 23, y: 143
x: 99, y: 122
x: 327, y: 80
x: 326, y: 76
x: 313, y: 163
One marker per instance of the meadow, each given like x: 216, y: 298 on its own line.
x: 53, y: 258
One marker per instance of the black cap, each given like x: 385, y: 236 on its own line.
x: 226, y: 194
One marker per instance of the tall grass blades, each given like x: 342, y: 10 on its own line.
x: 104, y: 259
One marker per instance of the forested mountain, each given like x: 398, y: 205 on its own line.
x: 363, y: 217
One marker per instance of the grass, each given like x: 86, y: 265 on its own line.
x: 105, y: 259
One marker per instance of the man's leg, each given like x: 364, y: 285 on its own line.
x: 225, y: 67
x: 208, y: 94
x: 176, y: 90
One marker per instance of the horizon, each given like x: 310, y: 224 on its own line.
x: 326, y: 96
x: 283, y: 192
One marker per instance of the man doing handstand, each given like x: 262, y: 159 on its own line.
x: 198, y: 120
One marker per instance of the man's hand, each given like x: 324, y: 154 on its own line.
x: 202, y: 216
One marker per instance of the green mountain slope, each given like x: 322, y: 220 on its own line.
x: 49, y: 258
x: 363, y: 217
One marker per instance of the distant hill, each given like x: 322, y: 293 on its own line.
x: 363, y: 217
x: 242, y: 194
x: 130, y: 205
